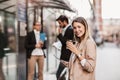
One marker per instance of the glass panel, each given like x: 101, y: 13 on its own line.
x: 8, y: 62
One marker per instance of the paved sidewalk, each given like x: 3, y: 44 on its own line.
x: 108, y: 64
x: 49, y: 76
x: 108, y: 57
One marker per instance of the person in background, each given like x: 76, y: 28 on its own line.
x: 64, y: 33
x: 83, y: 58
x: 3, y: 44
x: 34, y: 51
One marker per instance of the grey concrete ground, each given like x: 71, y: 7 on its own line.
x: 9, y: 66
x: 108, y: 64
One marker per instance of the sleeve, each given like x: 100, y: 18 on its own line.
x: 83, y: 62
x: 28, y: 45
x: 3, y: 41
x: 90, y: 63
x: 69, y: 36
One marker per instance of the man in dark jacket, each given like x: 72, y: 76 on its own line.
x: 65, y: 32
x: 35, y: 54
x: 3, y: 44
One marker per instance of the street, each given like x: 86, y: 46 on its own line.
x: 108, y: 63
x: 107, y: 67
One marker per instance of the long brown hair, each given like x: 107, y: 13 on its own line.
x: 86, y: 35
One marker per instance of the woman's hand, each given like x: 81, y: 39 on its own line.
x: 72, y: 47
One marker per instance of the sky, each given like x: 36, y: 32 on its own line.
x: 110, y: 8
x: 82, y: 6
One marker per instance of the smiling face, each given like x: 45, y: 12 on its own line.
x: 79, y: 29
